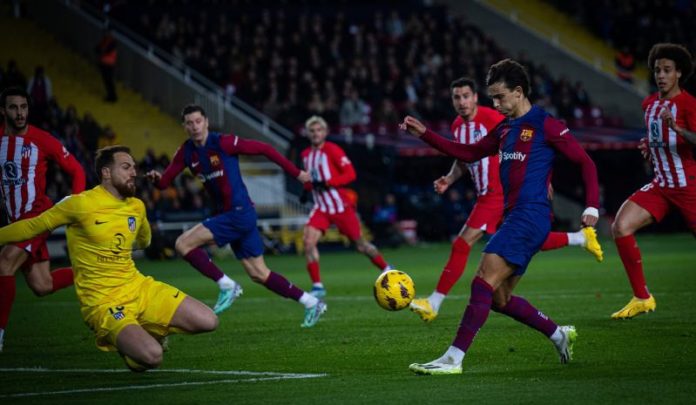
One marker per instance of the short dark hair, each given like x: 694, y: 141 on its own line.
x: 677, y: 53
x: 13, y: 91
x: 463, y: 82
x: 105, y: 157
x: 190, y: 109
x: 510, y: 72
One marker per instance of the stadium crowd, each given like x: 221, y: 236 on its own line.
x: 352, y: 65
x: 635, y: 26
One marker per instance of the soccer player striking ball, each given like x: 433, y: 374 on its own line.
x: 331, y: 171
x: 527, y: 142
x: 214, y: 158
x: 127, y: 311
x: 474, y: 122
x: 670, y: 118
x: 24, y: 154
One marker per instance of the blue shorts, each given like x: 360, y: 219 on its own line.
x: 238, y: 228
x: 523, y: 231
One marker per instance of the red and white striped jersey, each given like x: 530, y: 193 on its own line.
x: 23, y: 163
x: 329, y: 164
x: 485, y: 172
x: 672, y: 156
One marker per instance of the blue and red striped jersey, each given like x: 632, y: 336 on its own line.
x: 526, y: 147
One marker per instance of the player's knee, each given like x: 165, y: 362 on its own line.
x: 309, y: 244
x: 620, y: 228
x: 209, y: 322
x: 182, y: 245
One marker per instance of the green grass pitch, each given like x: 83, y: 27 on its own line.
x: 359, y: 353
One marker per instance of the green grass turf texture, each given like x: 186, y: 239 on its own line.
x: 365, y: 351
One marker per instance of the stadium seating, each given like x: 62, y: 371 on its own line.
x: 341, y: 62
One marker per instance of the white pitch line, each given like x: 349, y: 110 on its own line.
x: 270, y: 376
x: 172, y: 370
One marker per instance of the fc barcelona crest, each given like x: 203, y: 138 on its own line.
x: 526, y: 135
x: 131, y: 224
x: 214, y: 160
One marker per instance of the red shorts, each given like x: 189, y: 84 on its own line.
x: 486, y: 214
x: 36, y: 248
x: 347, y: 222
x: 658, y: 201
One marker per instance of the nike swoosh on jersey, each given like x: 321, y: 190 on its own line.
x: 98, y: 222
x: 194, y: 164
x: 177, y: 294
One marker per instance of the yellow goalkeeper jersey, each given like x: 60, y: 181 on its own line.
x: 102, y: 232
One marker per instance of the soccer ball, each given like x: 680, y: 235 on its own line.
x: 394, y: 290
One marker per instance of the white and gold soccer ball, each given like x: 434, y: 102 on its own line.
x: 394, y: 290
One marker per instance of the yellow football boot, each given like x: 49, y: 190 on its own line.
x: 422, y: 307
x: 592, y: 244
x: 635, y: 307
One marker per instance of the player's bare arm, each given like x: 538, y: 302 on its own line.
x: 666, y: 115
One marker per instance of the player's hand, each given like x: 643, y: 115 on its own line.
x: 442, y: 184
x: 643, y: 147
x: 412, y: 126
x: 549, y: 192
x: 590, y: 216
x: 304, y: 177
x: 154, y: 176
x: 666, y: 116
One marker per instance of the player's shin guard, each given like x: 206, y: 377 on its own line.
x: 475, y: 315
x: 199, y: 259
x: 7, y: 295
x: 522, y: 311
x: 455, y: 266
x: 313, y: 270
x: 631, y: 258
x: 555, y: 240
x: 281, y: 286
x: 61, y: 278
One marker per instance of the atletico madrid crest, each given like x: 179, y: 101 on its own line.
x: 131, y: 224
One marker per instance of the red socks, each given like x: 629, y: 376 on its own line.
x: 455, y: 266
x: 62, y: 278
x: 313, y: 269
x: 633, y: 264
x: 555, y: 240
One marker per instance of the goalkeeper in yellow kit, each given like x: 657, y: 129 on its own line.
x: 127, y: 311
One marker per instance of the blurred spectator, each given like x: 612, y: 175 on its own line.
x: 106, y: 60
x: 41, y: 91
x: 91, y: 132
x: 107, y: 138
x: 12, y: 76
x: 625, y: 64
x: 456, y: 210
x: 385, y: 223
x: 353, y: 110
